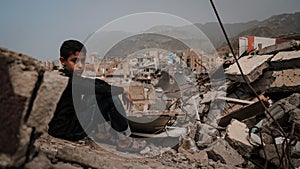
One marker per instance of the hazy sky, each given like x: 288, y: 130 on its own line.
x: 37, y: 27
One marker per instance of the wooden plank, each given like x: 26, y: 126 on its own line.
x: 235, y: 100
x: 243, y: 113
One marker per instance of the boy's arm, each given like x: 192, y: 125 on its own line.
x: 103, y: 87
x: 84, y: 85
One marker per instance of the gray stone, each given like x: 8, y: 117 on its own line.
x: 271, y: 153
x: 201, y: 157
x: 295, y: 150
x: 206, y: 135
x: 41, y: 161
x: 219, y: 165
x: 23, y: 71
x: 61, y: 165
x: 221, y: 150
x: 188, y: 144
x: 19, y: 75
x: 272, y: 156
x: 45, y: 102
x: 18, y: 158
x: 23, y: 82
x: 252, y: 67
x: 286, y: 106
x: 145, y: 151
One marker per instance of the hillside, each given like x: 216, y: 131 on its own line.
x: 274, y: 26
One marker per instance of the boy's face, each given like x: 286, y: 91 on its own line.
x: 74, y: 63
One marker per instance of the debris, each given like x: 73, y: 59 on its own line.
x: 211, y: 136
x: 189, y: 145
x: 237, y: 135
x: 296, y: 150
x: 244, y: 113
x: 286, y: 60
x: 206, y: 136
x: 279, y: 47
x: 41, y: 161
x: 252, y: 66
x: 286, y: 107
x: 145, y: 151
x: 221, y: 150
x: 271, y: 153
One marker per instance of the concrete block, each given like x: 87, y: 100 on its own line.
x: 47, y: 97
x: 237, y: 137
x: 286, y: 60
x: 221, y: 150
x: 252, y: 67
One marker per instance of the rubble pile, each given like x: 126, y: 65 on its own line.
x: 29, y: 95
x: 233, y: 129
x: 264, y: 131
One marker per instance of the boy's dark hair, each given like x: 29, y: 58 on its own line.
x: 70, y: 47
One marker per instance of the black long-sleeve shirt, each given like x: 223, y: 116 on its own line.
x: 65, y: 123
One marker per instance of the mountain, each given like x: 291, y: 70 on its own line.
x: 274, y: 26
x: 211, y: 30
x: 214, y: 33
x: 211, y: 36
x: 206, y: 36
x: 143, y: 41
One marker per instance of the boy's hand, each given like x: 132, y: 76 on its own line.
x: 127, y: 100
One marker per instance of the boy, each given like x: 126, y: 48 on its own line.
x: 79, y: 101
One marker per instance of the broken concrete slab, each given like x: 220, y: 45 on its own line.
x: 220, y: 150
x: 286, y: 79
x: 279, y: 47
x: 87, y: 154
x: 237, y: 135
x: 279, y: 81
x: 47, y: 97
x: 252, y: 66
x: 286, y: 60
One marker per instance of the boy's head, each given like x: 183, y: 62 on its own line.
x: 72, y: 56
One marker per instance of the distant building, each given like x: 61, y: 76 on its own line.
x: 193, y: 60
x: 250, y: 43
x: 107, y: 67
